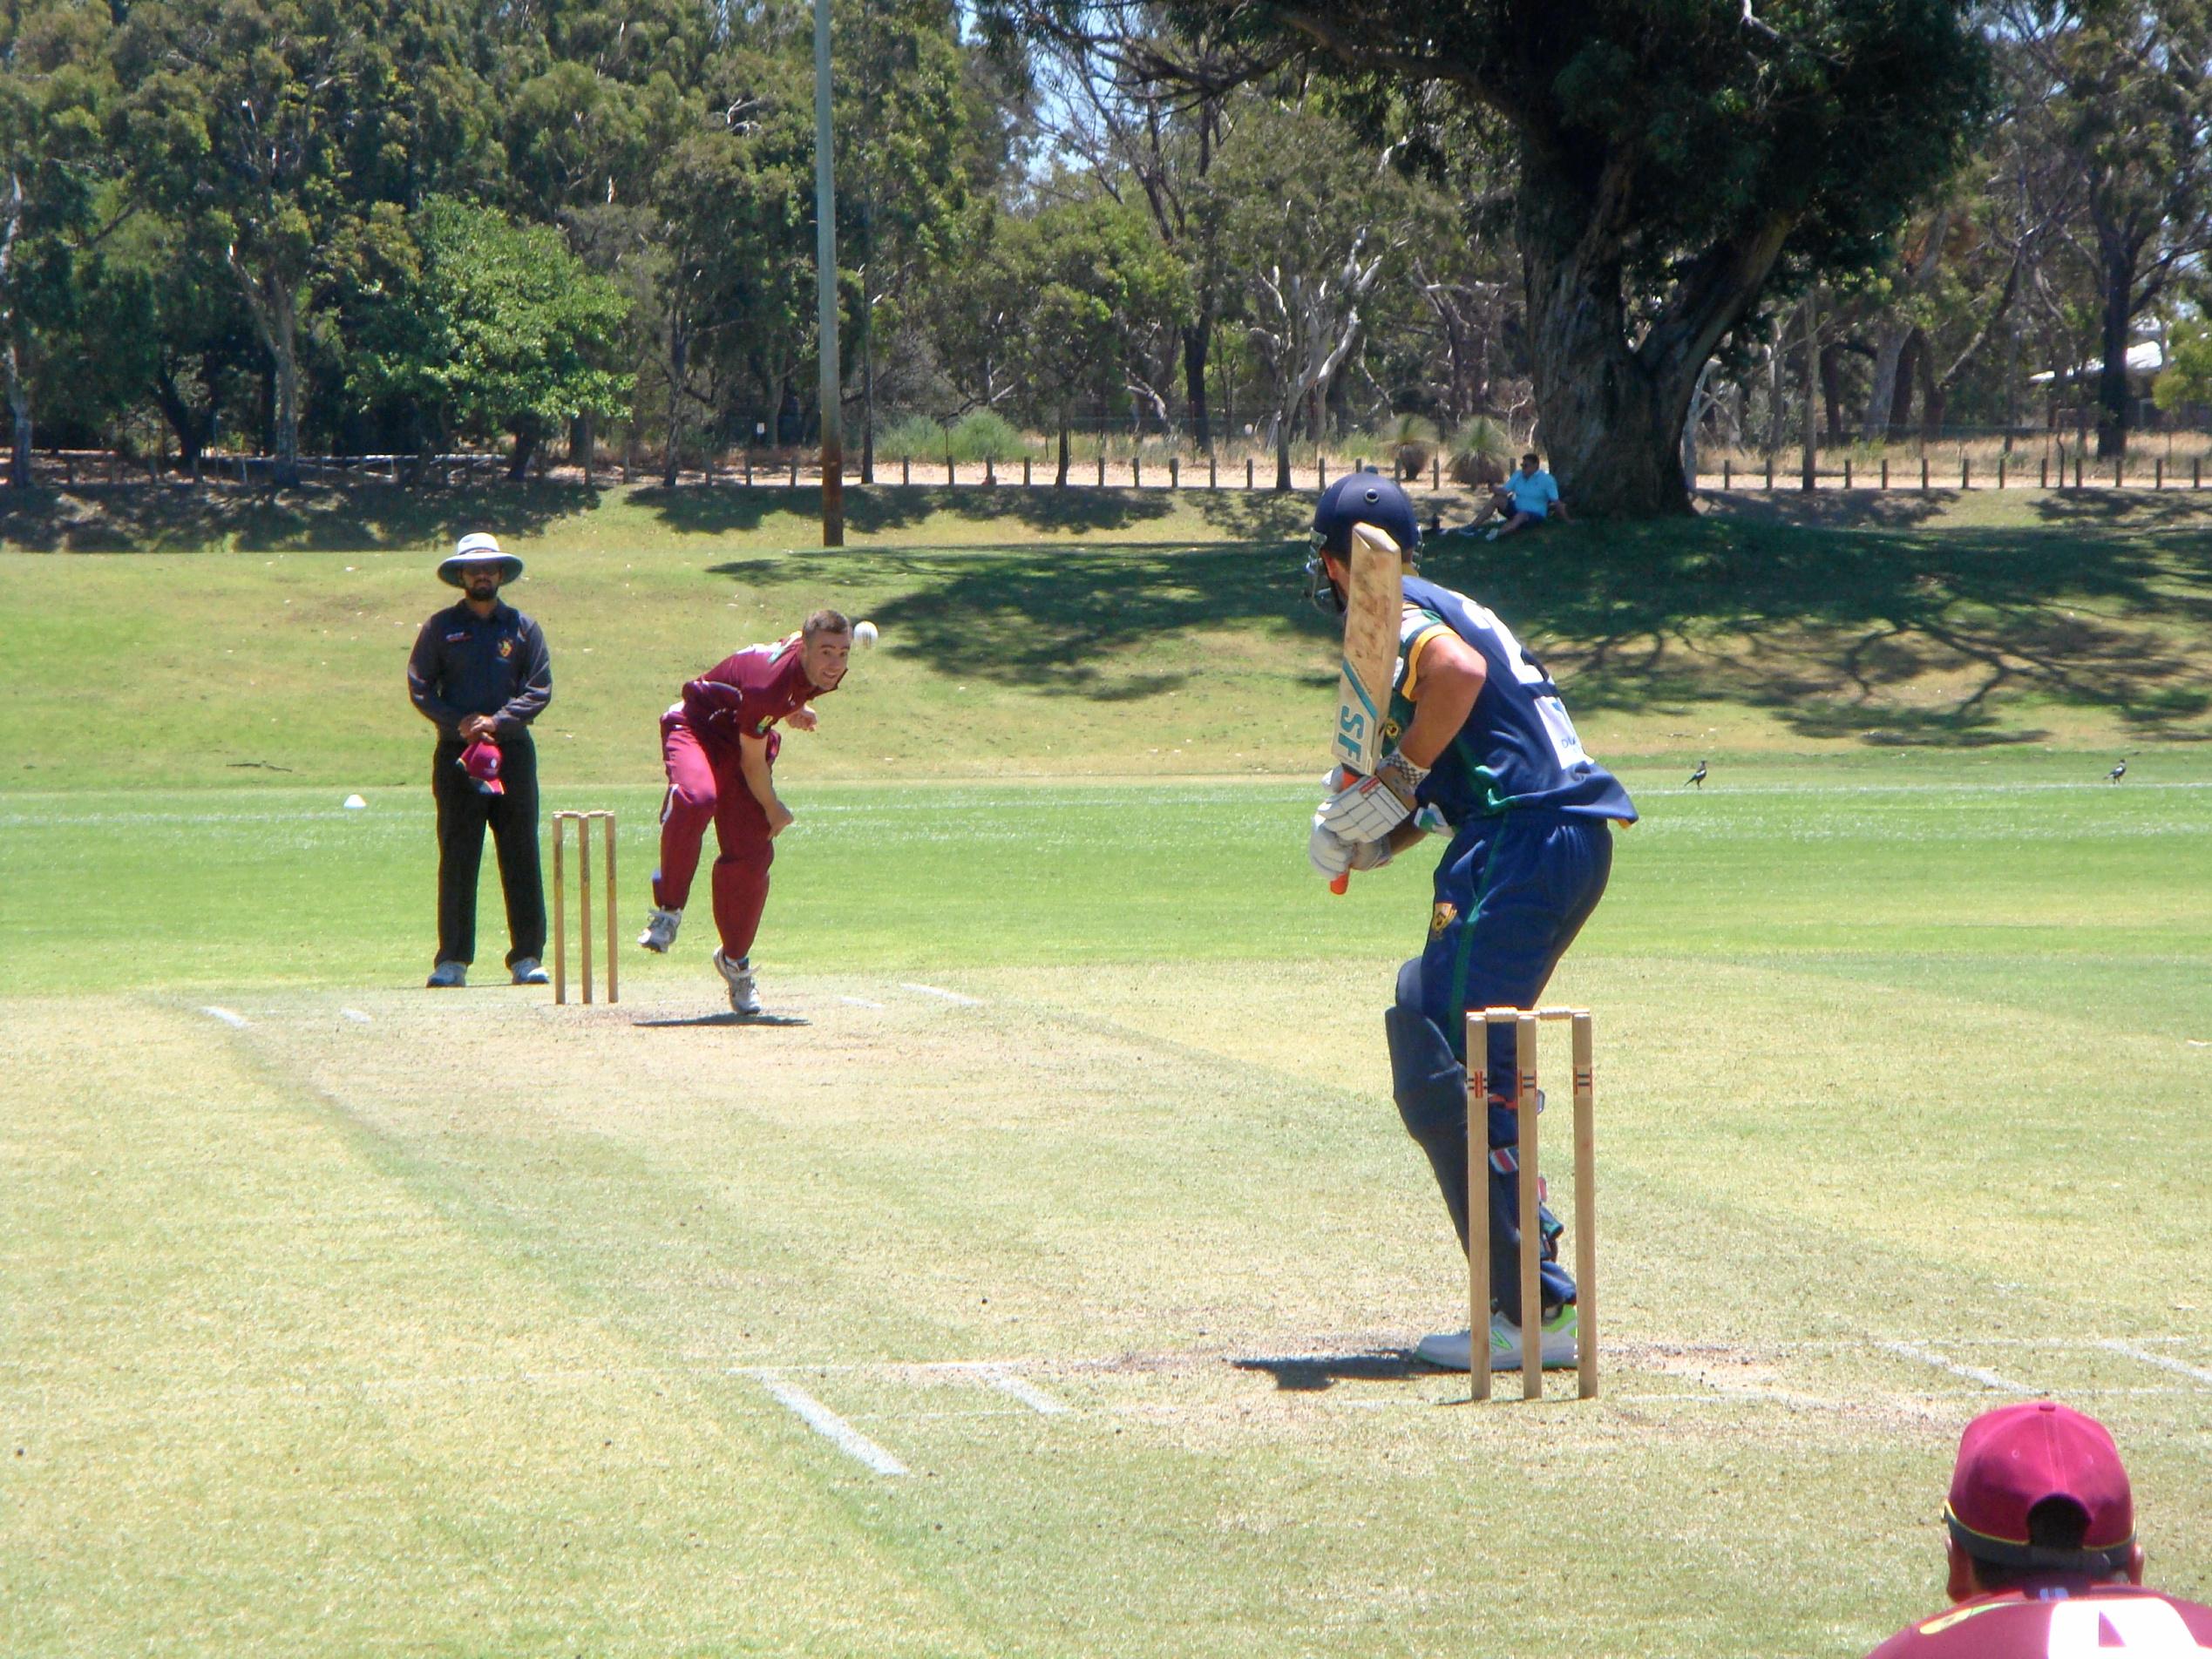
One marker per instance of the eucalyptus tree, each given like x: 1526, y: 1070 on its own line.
x: 1676, y: 167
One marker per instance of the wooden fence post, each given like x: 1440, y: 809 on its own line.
x: 1846, y: 472
x: 1025, y: 472
x: 2120, y: 472
x: 2000, y: 472
x: 1213, y: 472
x: 1923, y: 473
x: 1770, y: 471
x: 1727, y: 471
x: 1175, y: 472
x: 1435, y: 472
x: 2158, y: 472
x: 1136, y: 473
x: 1965, y: 477
x: 1247, y: 472
x: 1321, y: 468
x: 990, y: 471
x: 1102, y: 469
x: 905, y: 470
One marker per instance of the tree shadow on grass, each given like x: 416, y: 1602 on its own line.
x: 1064, y: 618
x: 1839, y: 509
x: 1900, y: 636
x: 2136, y: 509
x: 1891, y: 637
x: 364, y: 518
x: 877, y: 509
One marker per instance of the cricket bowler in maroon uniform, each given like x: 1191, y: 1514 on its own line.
x: 2044, y: 1561
x: 720, y: 744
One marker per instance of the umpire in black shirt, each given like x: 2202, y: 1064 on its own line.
x: 480, y: 674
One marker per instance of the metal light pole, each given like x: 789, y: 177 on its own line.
x: 825, y: 255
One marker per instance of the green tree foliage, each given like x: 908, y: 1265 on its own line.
x: 1324, y: 226
x: 273, y: 128
x: 906, y: 128
x: 2124, y: 91
x: 55, y: 92
x: 479, y: 326
x: 1672, y: 163
x: 1076, y: 284
x: 2187, y: 378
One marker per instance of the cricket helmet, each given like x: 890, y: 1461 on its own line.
x: 1358, y: 498
x: 477, y: 548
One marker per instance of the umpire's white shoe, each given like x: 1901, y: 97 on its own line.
x: 447, y: 975
x: 1447, y: 1350
x: 738, y: 975
x: 660, y: 929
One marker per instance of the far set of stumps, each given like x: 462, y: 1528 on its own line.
x: 583, y: 822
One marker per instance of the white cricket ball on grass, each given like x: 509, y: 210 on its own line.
x: 863, y: 634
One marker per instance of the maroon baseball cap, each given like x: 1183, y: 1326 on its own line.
x: 480, y: 761
x: 2019, y: 1456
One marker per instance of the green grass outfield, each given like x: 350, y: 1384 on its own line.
x: 340, y: 1317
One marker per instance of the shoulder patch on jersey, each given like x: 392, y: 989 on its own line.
x: 1446, y: 914
x: 1414, y: 621
x: 1410, y: 653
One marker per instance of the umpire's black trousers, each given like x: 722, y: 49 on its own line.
x: 463, y: 812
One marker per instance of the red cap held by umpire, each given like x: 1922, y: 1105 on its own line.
x: 480, y: 761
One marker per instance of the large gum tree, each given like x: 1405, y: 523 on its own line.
x: 1674, y: 161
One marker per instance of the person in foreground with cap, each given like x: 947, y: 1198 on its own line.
x: 2044, y: 1560
x: 480, y: 674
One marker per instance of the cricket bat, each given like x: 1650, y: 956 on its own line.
x: 1371, y: 615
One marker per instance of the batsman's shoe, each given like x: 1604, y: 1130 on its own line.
x: 1447, y: 1350
x: 738, y: 975
x: 528, y: 971
x: 659, y: 930
x: 447, y: 976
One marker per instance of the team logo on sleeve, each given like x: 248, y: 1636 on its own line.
x: 1446, y: 914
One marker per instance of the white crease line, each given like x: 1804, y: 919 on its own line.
x: 949, y: 996
x: 858, y: 1002
x: 1972, y: 1373
x: 1017, y: 1388
x: 356, y: 1015
x: 235, y: 1020
x: 831, y: 1427
x: 2162, y: 1361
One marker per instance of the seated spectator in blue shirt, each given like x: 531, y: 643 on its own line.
x: 1528, y: 497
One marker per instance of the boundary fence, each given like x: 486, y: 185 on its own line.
x: 102, y: 470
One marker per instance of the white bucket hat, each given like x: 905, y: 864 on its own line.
x: 477, y: 548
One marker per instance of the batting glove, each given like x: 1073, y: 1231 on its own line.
x: 1332, y: 855
x: 1371, y: 808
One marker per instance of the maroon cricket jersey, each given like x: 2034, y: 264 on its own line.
x: 2059, y: 1619
x: 747, y: 694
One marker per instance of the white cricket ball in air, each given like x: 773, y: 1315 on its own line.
x: 863, y: 634
x: 355, y: 803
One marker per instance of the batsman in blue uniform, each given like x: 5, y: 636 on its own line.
x: 1484, y: 756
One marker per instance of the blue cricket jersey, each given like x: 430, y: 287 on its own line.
x: 1519, y: 750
